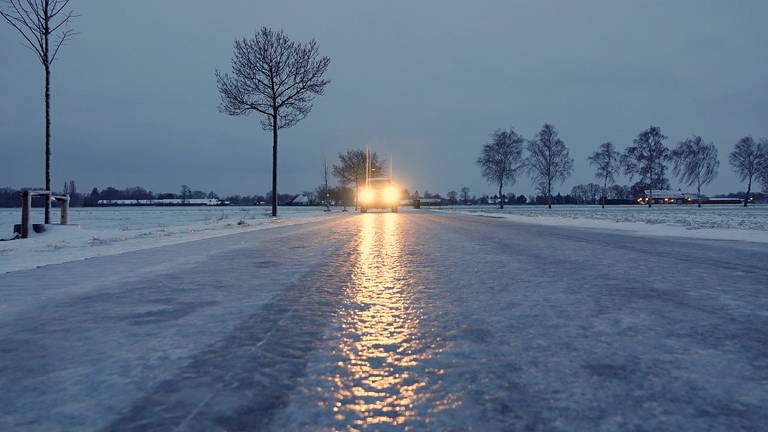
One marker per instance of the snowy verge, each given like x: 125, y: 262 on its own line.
x: 634, y: 228
x: 61, y: 244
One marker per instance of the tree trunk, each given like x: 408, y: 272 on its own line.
x: 605, y: 191
x: 274, y: 164
x: 47, y: 140
x: 549, y: 195
x: 650, y: 187
x: 356, y: 193
x: 698, y: 193
x: 501, y: 197
x: 749, y: 189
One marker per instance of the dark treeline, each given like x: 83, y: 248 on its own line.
x: 590, y: 193
x: 10, y: 197
x: 587, y: 194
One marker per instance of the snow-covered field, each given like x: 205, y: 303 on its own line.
x: 722, y: 222
x: 112, y: 230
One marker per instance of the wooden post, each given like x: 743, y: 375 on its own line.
x: 26, y: 210
x: 64, y: 210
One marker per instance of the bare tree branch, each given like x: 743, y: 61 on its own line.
x: 37, y: 22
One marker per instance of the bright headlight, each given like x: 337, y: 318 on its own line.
x: 366, y: 195
x: 391, y: 194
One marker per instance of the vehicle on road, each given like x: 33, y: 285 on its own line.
x: 379, y: 193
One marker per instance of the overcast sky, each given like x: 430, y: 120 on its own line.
x: 135, y: 99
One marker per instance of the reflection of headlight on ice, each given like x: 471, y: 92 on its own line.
x: 366, y: 195
x: 391, y: 194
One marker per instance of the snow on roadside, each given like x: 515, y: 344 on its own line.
x: 635, y: 228
x: 61, y: 244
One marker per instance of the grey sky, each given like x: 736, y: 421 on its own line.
x: 135, y: 100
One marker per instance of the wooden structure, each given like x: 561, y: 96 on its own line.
x: 26, y: 208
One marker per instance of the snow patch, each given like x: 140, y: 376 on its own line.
x: 110, y: 231
x: 715, y: 224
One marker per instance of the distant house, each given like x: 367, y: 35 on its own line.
x: 724, y: 201
x: 300, y: 200
x: 667, y: 197
x: 430, y: 201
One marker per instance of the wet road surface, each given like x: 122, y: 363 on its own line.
x: 411, y: 321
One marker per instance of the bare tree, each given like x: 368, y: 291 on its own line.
x: 748, y: 160
x: 620, y: 192
x: 549, y: 161
x: 579, y: 193
x: 593, y: 190
x: 606, y: 161
x: 695, y: 163
x: 275, y: 77
x: 453, y: 197
x: 352, y: 166
x: 465, y: 195
x: 501, y: 159
x: 44, y: 25
x: 646, y: 158
x: 186, y: 192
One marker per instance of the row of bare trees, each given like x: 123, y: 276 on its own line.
x: 548, y: 162
x: 694, y: 161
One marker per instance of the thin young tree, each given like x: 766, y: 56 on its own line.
x: 695, y: 162
x: 647, y: 159
x: 549, y: 161
x: 606, y: 161
x: 275, y: 77
x: 748, y: 160
x: 352, y: 166
x: 186, y: 192
x: 326, y: 190
x: 501, y: 159
x: 44, y: 25
x: 465, y: 195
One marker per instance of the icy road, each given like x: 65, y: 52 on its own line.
x: 411, y: 321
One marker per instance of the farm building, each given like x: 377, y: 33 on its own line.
x: 165, y: 202
x: 667, y: 197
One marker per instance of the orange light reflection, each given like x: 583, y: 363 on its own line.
x: 376, y: 385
